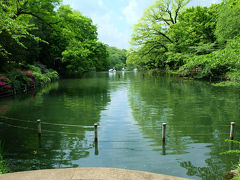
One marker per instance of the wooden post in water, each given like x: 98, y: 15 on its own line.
x: 164, y: 132
x: 232, y: 130
x: 96, y: 134
x: 163, y: 148
x: 39, y: 127
x: 96, y: 152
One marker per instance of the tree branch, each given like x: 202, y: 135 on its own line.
x: 164, y: 35
x: 170, y: 13
x: 149, y: 51
x: 161, y: 19
x: 36, y: 16
x: 176, y: 13
x: 157, y: 42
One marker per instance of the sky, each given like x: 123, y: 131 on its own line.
x: 115, y: 18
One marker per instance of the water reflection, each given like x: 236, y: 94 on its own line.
x: 72, y: 101
x: 130, y: 110
x: 195, y: 112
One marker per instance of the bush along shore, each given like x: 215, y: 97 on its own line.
x: 25, y: 79
x: 229, y: 79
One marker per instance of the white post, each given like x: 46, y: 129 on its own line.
x: 39, y: 127
x: 96, y: 134
x: 164, y: 132
x: 232, y: 130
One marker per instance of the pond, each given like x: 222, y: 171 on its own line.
x: 130, y: 109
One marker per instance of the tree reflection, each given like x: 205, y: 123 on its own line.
x: 206, y: 173
x: 72, y: 101
x: 195, y: 112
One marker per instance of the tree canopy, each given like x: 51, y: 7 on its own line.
x: 150, y: 39
x: 46, y: 32
x: 117, y: 57
x: 172, y: 36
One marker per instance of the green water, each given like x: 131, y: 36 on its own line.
x: 130, y: 111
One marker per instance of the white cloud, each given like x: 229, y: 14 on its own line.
x: 100, y: 3
x: 109, y: 33
x: 203, y: 2
x: 131, y: 13
x: 115, y: 18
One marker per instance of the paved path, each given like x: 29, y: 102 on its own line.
x: 86, y: 174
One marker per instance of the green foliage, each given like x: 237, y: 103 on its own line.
x: 194, y: 32
x: 16, y: 25
x: 230, y: 152
x: 43, y: 76
x: 228, y: 24
x: 34, y: 76
x: 150, y: 39
x: 117, y: 57
x: 4, y: 84
x: 3, y: 165
x: 44, y: 31
x: 19, y: 80
x: 202, y: 42
x: 83, y: 52
x: 224, y: 62
x: 237, y: 151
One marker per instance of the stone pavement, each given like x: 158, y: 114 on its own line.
x: 86, y: 174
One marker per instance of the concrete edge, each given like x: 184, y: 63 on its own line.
x: 87, y: 174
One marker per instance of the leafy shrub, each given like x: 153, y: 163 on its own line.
x: 19, y: 79
x: 29, y: 78
x: 34, y: 68
x: 217, y: 63
x: 3, y: 164
x: 4, y: 83
x: 237, y: 151
x: 42, y: 79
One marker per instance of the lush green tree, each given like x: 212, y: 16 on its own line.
x: 16, y: 27
x: 192, y: 35
x: 150, y: 37
x: 34, y: 31
x: 228, y: 24
x: 83, y: 52
x: 195, y: 28
x: 117, y: 57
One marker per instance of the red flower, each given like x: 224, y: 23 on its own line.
x: 2, y: 83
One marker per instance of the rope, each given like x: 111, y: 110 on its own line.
x: 3, y: 117
x: 200, y: 134
x: 63, y: 133
x: 203, y: 126
x: 175, y: 126
x: 19, y: 127
x: 27, y: 128
x: 69, y: 125
x: 81, y: 126
x: 91, y: 135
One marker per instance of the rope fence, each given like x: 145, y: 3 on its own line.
x: 56, y: 124
x: 32, y: 129
x: 95, y: 127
